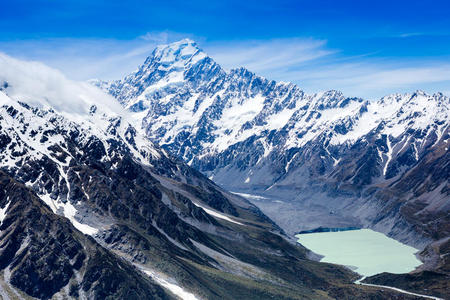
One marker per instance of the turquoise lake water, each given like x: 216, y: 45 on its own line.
x: 368, y: 252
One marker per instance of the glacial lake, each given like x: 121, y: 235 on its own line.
x: 366, y: 251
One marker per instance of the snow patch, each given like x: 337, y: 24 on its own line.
x: 388, y: 154
x: 173, y: 287
x: 69, y: 211
x: 249, y: 196
x: 3, y: 211
x: 217, y: 214
x: 168, y: 237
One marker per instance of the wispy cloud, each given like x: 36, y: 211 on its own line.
x: 315, y: 67
x: 82, y: 59
x: 410, y: 34
x: 40, y: 85
x: 270, y: 55
x: 373, y: 79
x: 310, y: 63
x: 156, y: 37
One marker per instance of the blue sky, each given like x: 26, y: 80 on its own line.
x: 364, y: 48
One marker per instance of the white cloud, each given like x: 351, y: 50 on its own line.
x: 373, y: 78
x: 266, y: 56
x: 157, y: 37
x: 39, y: 85
x: 410, y: 34
x: 164, y: 37
x: 310, y: 63
x: 314, y: 67
x: 82, y: 59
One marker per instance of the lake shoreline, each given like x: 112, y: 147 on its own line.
x: 327, y: 229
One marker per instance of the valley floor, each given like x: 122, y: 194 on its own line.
x: 294, y: 217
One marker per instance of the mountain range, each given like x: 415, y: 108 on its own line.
x: 187, y: 181
x: 92, y: 209
x: 306, y: 161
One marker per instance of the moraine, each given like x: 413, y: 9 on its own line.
x: 368, y: 251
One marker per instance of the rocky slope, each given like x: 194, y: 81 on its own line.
x: 43, y: 254
x: 90, y: 209
x: 305, y: 160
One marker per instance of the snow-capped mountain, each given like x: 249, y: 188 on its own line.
x: 325, y: 159
x: 198, y: 111
x: 90, y: 209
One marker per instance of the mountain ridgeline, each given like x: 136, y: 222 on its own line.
x: 308, y: 160
x: 91, y: 209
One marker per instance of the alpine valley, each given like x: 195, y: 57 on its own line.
x: 91, y: 209
x: 307, y: 161
x: 126, y: 194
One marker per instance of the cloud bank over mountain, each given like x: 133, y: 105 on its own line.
x: 310, y: 63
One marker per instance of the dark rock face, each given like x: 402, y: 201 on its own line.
x: 423, y: 282
x: 43, y: 251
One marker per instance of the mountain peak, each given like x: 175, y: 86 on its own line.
x: 184, y: 51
